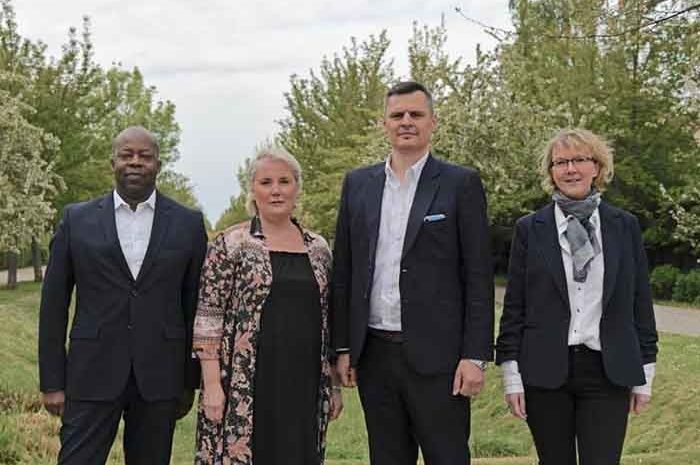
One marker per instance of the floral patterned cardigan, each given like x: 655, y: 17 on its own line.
x: 235, y: 282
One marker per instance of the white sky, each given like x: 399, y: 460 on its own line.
x: 226, y: 64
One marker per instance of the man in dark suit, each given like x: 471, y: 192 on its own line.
x: 413, y: 291
x: 133, y: 258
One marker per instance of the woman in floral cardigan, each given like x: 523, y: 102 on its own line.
x: 261, y: 332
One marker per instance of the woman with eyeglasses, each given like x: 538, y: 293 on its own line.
x: 577, y: 340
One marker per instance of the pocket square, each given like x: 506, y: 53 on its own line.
x: 434, y: 218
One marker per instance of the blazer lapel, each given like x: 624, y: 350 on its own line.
x: 161, y: 219
x: 109, y: 228
x: 610, y: 232
x: 373, y: 207
x: 428, y: 185
x: 548, y: 242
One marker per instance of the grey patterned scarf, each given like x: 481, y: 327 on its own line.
x: 579, y: 231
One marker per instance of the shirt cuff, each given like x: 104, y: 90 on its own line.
x: 342, y: 350
x: 649, y: 373
x: 512, y: 381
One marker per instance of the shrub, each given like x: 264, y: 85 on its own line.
x: 663, y: 278
x: 687, y: 287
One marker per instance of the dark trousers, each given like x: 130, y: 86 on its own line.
x: 588, y: 412
x: 89, y: 428
x: 404, y: 410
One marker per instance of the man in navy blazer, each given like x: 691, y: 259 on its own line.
x: 413, y: 291
x: 133, y: 258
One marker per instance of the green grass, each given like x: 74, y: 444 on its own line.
x: 667, y: 434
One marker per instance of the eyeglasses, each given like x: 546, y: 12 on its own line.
x: 563, y: 163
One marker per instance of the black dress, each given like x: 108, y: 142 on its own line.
x: 285, y: 422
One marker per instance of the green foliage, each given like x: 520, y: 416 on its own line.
x: 687, y: 287
x: 331, y: 125
x: 234, y: 214
x: 27, y: 181
x: 82, y: 105
x: 662, y: 279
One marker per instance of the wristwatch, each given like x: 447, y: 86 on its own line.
x: 481, y: 364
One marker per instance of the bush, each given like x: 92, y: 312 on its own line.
x: 687, y: 287
x: 663, y: 278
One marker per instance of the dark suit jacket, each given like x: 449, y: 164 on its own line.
x: 119, y: 323
x: 536, y: 314
x: 446, y: 282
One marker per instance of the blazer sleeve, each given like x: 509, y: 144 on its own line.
x: 475, y: 248
x: 190, y: 287
x: 513, y: 317
x: 644, y: 319
x: 341, y: 275
x: 53, y: 312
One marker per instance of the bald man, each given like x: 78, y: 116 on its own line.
x: 133, y: 258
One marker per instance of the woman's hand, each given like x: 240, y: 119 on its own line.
x: 639, y: 402
x: 516, y: 402
x: 213, y: 400
x: 336, y: 402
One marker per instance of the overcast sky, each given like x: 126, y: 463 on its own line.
x: 226, y: 64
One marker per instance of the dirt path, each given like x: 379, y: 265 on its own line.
x: 670, y: 319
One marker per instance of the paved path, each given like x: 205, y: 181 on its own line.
x: 670, y: 319
x: 23, y: 274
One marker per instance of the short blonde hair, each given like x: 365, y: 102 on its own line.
x: 594, y: 146
x: 270, y: 152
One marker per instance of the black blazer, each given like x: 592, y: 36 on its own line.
x: 120, y: 323
x: 446, y: 281
x: 535, y: 323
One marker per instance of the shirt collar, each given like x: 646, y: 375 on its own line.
x: 412, y: 173
x: 119, y: 202
x: 563, y: 220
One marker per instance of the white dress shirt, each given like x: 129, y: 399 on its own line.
x: 134, y: 229
x: 385, y: 298
x: 585, y: 305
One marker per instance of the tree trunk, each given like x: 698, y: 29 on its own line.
x: 36, y: 261
x: 12, y: 259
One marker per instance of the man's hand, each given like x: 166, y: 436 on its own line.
x: 54, y: 402
x: 345, y: 371
x: 336, y: 403
x: 516, y: 402
x: 469, y: 379
x: 184, y: 404
x: 639, y: 402
x: 213, y: 400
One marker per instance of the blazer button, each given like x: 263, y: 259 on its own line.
x: 134, y: 293
x: 404, y: 270
x: 130, y: 327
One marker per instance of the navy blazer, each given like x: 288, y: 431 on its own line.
x: 536, y: 313
x: 120, y: 322
x: 446, y: 281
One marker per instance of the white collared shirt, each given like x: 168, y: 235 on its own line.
x: 585, y: 306
x: 385, y: 298
x: 586, y: 298
x: 134, y: 229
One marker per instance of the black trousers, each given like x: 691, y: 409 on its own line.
x: 404, y: 410
x: 588, y: 413
x: 89, y: 427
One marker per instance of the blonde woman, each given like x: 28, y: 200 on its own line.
x: 577, y: 337
x: 261, y: 331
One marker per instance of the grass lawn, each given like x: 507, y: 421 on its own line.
x: 667, y: 434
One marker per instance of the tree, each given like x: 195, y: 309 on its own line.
x: 331, y: 123
x: 27, y: 181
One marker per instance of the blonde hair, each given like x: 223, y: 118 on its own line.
x: 593, y: 145
x: 270, y: 152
